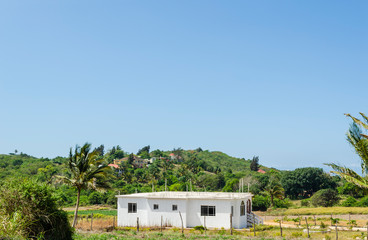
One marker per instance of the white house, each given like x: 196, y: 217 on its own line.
x: 209, y: 209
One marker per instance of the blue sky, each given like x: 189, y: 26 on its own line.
x: 266, y: 78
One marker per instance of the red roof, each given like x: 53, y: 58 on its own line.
x: 172, y: 154
x: 113, y: 165
x: 261, y: 171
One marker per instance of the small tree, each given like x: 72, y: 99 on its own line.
x: 325, y: 198
x: 87, y: 171
x: 274, y: 189
x: 254, y: 165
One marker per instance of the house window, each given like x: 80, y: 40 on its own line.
x: 174, y: 207
x: 132, y: 207
x: 208, y: 210
x: 242, y: 209
x: 155, y: 206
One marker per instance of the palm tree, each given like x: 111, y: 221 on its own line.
x: 87, y: 171
x: 274, y: 189
x: 359, y: 141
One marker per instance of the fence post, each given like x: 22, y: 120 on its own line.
x: 280, y: 229
x: 91, y: 220
x: 254, y: 224
x: 204, y: 223
x: 315, y: 223
x: 137, y: 224
x: 161, y: 224
x: 231, y: 224
x: 182, y: 225
x: 113, y: 223
x: 306, y: 221
x: 299, y: 220
x: 337, y: 235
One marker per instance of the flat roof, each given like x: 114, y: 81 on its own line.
x: 188, y: 195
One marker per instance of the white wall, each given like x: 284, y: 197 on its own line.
x: 190, y: 210
x: 126, y: 219
x: 170, y: 217
x: 222, y: 218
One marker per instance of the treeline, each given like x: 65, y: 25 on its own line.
x: 182, y: 170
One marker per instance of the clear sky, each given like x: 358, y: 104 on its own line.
x: 268, y: 78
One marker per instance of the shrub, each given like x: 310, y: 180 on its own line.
x: 363, y: 202
x: 325, y: 198
x: 95, y: 198
x: 285, y: 203
x: 34, y: 205
x: 305, y: 203
x: 261, y: 203
x: 349, y: 202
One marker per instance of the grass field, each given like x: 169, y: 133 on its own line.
x: 267, y: 232
x: 318, y: 211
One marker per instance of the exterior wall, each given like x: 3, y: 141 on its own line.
x: 222, y: 218
x: 126, y: 219
x: 190, y: 210
x: 169, y: 217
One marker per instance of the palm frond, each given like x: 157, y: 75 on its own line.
x: 357, y: 121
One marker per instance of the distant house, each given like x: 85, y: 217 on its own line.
x: 137, y: 162
x: 113, y: 165
x: 209, y: 209
x: 261, y: 171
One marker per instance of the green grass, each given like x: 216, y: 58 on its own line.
x: 98, y: 212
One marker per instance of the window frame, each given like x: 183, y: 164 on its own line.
x: 208, y: 211
x: 174, y: 207
x: 156, y: 206
x: 242, y: 209
x: 132, y: 207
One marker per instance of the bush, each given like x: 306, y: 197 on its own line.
x: 305, y: 203
x: 325, y: 198
x: 31, y: 210
x: 95, y: 198
x: 363, y: 202
x: 349, y: 202
x: 285, y: 203
x: 261, y: 203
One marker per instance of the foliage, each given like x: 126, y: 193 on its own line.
x: 303, y: 182
x: 349, y: 202
x: 86, y: 171
x: 282, y: 203
x: 359, y: 141
x: 305, y: 202
x: 261, y: 203
x: 325, y: 198
x: 363, y: 202
x: 274, y: 188
x: 351, y: 189
x: 30, y: 209
x: 254, y: 165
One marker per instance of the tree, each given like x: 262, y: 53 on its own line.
x: 86, y: 171
x: 359, y: 141
x: 254, y: 166
x: 303, y: 182
x: 274, y: 189
x: 144, y: 149
x: 325, y: 198
x: 131, y: 158
x: 101, y: 150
